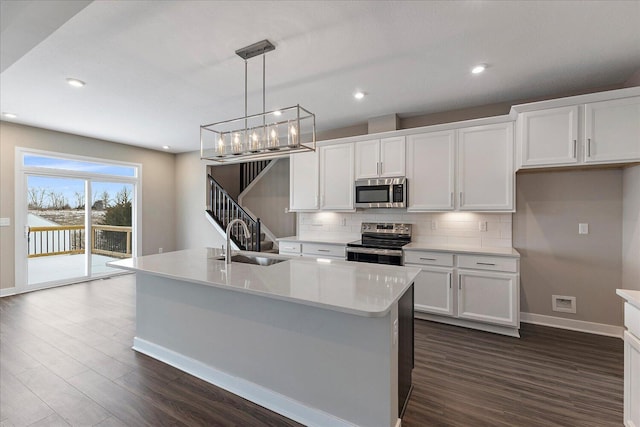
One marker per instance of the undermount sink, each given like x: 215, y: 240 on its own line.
x: 255, y: 260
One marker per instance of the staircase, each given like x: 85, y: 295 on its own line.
x: 223, y: 209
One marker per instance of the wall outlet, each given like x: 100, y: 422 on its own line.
x: 583, y: 228
x: 563, y: 303
x: 286, y: 210
x: 344, y: 221
x: 434, y: 225
x: 160, y: 250
x: 5, y: 222
x: 482, y: 225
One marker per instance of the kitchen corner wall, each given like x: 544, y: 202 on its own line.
x: 631, y: 227
x: 158, y: 185
x: 555, y: 259
x: 447, y: 228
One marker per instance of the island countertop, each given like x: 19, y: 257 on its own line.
x: 361, y: 289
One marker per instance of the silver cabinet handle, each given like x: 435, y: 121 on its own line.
x: 452, y: 199
x: 449, y: 279
x: 459, y: 282
x: 588, y: 147
x: 460, y: 199
x: 324, y: 250
x: 485, y: 263
x: 381, y: 166
x: 428, y: 259
x: 575, y: 145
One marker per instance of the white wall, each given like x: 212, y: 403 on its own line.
x: 631, y: 228
x: 158, y: 188
x: 192, y: 228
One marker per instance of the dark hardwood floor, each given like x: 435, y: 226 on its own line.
x: 65, y: 359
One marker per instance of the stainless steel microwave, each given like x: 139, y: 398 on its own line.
x: 381, y: 193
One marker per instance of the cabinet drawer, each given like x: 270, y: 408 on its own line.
x: 318, y: 249
x: 290, y: 247
x: 429, y: 258
x: 632, y: 319
x: 480, y: 262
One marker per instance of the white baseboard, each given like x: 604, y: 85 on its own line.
x: 270, y: 399
x: 572, y: 325
x: 7, y: 292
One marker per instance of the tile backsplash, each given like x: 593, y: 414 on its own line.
x: 446, y: 228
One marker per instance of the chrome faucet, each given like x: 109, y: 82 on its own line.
x: 227, y: 257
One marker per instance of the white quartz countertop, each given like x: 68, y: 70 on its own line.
x: 507, y: 252
x: 350, y: 287
x: 327, y: 240
x: 632, y: 297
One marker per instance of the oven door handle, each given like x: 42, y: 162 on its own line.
x: 374, y: 251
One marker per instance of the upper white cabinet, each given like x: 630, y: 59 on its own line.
x: 380, y: 158
x: 549, y: 137
x: 303, y: 181
x: 601, y: 132
x: 468, y: 169
x: 431, y: 171
x: 612, y: 130
x: 485, y: 168
x: 336, y: 176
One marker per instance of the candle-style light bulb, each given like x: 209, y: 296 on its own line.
x: 293, y: 133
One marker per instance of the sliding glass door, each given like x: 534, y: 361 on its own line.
x: 75, y: 215
x: 56, y: 218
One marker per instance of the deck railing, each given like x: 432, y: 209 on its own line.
x: 110, y: 240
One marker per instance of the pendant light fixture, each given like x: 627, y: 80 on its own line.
x: 264, y: 135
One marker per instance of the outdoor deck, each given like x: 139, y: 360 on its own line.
x: 62, y: 267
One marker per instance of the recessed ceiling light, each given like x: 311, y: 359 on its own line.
x: 166, y: 147
x: 75, y: 82
x: 478, y: 68
x: 277, y: 113
x: 10, y: 115
x: 359, y: 95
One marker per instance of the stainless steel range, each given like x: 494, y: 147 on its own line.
x: 381, y: 243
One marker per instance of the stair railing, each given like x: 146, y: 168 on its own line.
x: 223, y: 209
x: 249, y: 171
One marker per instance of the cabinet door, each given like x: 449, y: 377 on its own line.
x: 631, y: 380
x: 392, y: 157
x: 549, y: 137
x: 303, y: 181
x: 431, y: 171
x: 485, y: 168
x: 367, y: 159
x: 434, y: 291
x: 336, y: 177
x: 612, y: 131
x: 488, y: 297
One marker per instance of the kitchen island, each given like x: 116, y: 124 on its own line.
x: 323, y: 342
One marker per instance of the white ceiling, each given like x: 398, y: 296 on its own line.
x: 157, y: 70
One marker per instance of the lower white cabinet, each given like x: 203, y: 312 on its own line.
x: 312, y: 249
x: 466, y: 290
x: 488, y: 297
x: 433, y: 291
x: 631, y: 380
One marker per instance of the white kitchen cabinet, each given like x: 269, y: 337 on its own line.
x: 606, y: 131
x: 485, y: 168
x: 433, y: 290
x: 488, y: 297
x: 336, y: 176
x: 431, y: 171
x: 303, y: 182
x: 474, y: 291
x: 612, y: 130
x: 289, y: 247
x: 380, y: 158
x: 548, y: 137
x: 631, y: 380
